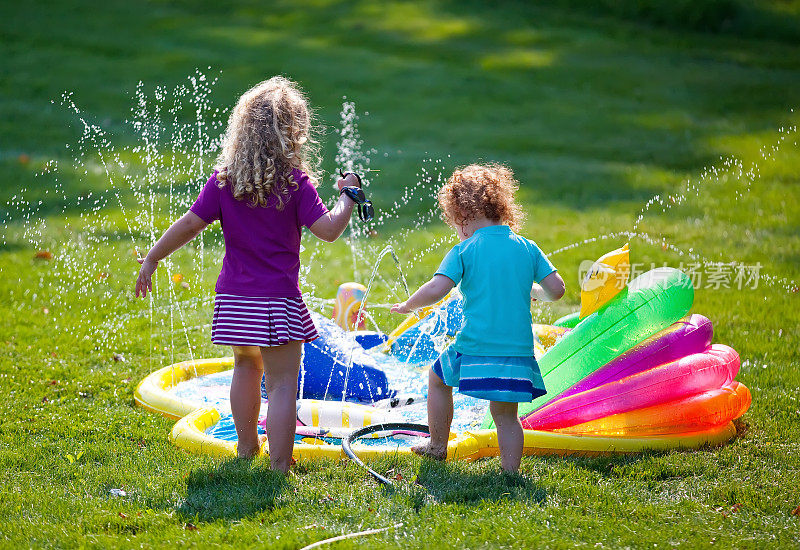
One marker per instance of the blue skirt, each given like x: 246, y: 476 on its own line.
x: 504, y: 379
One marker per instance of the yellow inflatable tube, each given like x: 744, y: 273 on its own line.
x: 189, y: 432
x: 483, y: 443
x: 152, y: 392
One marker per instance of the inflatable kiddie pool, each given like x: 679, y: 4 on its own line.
x: 638, y: 373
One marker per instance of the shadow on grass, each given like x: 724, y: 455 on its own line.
x: 607, y: 466
x: 742, y: 427
x: 450, y: 482
x: 232, y: 490
x: 647, y: 466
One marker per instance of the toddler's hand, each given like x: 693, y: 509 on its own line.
x: 401, y: 308
x: 144, y: 282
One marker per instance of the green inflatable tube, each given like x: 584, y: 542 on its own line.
x: 568, y: 321
x: 650, y: 303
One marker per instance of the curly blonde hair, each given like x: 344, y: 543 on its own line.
x: 270, y: 132
x: 481, y: 190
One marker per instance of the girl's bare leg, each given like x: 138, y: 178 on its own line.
x: 510, y: 437
x: 246, y: 398
x: 282, y: 368
x: 440, y: 416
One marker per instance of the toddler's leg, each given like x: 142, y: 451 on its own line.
x: 509, y: 434
x: 282, y: 368
x: 440, y: 416
x: 246, y: 398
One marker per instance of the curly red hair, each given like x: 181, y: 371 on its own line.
x: 481, y: 190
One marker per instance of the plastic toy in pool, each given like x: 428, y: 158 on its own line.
x: 348, y: 301
x: 635, y: 375
x: 325, y: 365
x: 334, y: 419
x: 319, y: 420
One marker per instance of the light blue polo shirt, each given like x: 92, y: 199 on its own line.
x: 496, y: 269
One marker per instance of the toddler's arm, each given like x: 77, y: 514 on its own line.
x: 427, y: 295
x: 551, y: 288
x: 330, y: 226
x: 178, y: 234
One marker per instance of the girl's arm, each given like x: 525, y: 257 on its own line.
x: 330, y: 226
x: 551, y: 289
x: 178, y: 234
x: 427, y: 295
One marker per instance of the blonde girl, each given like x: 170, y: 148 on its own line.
x: 263, y: 192
x: 499, y: 272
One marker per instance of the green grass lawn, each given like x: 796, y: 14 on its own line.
x: 597, y: 111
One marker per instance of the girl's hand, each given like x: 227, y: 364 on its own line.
x: 178, y: 234
x: 144, y: 282
x: 351, y: 180
x: 401, y: 308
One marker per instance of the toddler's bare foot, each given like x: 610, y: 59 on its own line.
x: 430, y: 451
x: 251, y: 452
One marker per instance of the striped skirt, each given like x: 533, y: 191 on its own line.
x: 255, y: 321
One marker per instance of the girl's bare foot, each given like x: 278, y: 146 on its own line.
x: 251, y: 452
x: 429, y: 451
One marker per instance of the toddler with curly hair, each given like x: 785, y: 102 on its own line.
x: 499, y: 272
x: 263, y: 192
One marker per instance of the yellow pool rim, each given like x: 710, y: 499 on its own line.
x: 152, y: 393
x: 189, y: 432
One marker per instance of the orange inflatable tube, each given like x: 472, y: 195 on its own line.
x: 690, y: 414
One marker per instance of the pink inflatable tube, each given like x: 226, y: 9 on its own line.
x: 714, y: 368
x: 691, y: 334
